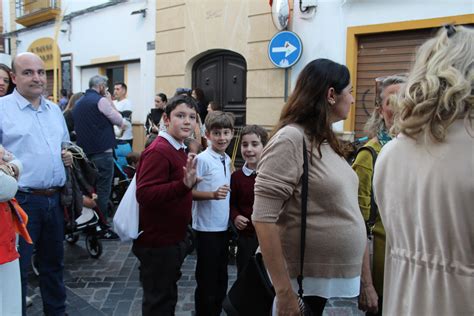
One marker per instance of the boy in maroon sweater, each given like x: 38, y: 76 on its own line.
x: 165, y: 177
x: 254, y: 138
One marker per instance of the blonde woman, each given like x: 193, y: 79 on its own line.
x: 424, y: 184
x: 377, y: 127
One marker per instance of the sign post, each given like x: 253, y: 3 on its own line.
x: 284, y: 50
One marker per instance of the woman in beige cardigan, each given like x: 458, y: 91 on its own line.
x: 335, y: 233
x: 424, y: 184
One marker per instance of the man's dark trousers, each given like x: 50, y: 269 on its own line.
x: 105, y: 165
x: 46, y: 228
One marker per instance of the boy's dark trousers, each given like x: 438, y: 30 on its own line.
x: 160, y: 270
x: 211, y: 272
x: 246, y: 247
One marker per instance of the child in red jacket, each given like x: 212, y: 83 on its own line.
x: 165, y: 177
x: 254, y: 138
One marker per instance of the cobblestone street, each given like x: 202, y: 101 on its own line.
x: 110, y: 286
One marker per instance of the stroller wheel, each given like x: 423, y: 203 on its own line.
x: 93, y: 246
x: 72, y: 238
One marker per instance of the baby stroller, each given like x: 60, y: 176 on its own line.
x: 87, y: 223
x: 81, y: 179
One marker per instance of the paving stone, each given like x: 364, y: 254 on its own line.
x: 123, y: 308
x: 97, y: 285
x: 101, y: 294
x: 108, y: 311
x: 91, y: 279
x: 73, y: 285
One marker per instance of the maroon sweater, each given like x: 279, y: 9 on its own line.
x: 241, y: 199
x: 165, y: 202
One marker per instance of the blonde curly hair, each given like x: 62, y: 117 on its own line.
x: 440, y: 86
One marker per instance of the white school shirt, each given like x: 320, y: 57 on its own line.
x: 212, y: 215
x: 123, y: 105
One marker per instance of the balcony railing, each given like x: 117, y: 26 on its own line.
x: 31, y: 12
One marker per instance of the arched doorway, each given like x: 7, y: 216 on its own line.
x: 222, y: 76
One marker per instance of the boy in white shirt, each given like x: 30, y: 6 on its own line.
x: 211, y: 215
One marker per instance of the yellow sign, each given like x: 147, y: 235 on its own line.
x: 43, y: 47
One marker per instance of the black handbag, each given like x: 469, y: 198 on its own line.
x: 252, y: 294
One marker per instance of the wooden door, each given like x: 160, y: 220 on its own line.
x: 223, y: 78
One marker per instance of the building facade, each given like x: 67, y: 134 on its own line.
x: 222, y: 48
x: 112, y: 38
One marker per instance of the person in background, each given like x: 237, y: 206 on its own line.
x: 211, y: 215
x: 164, y: 195
x: 125, y: 107
x: 25, y: 132
x: 63, y: 101
x: 253, y: 139
x: 154, y: 120
x: 6, y: 83
x: 213, y: 106
x: 68, y: 114
x: 423, y: 183
x: 94, y: 116
x: 200, y: 98
x: 192, y: 146
x: 132, y: 161
x: 183, y: 91
x: 378, y: 126
x: 335, y: 230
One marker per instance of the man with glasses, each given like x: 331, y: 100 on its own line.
x: 94, y: 117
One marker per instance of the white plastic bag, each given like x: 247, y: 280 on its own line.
x: 126, y: 216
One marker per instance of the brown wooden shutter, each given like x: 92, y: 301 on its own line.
x: 379, y: 55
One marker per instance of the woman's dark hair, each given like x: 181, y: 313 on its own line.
x: 162, y: 97
x: 199, y: 94
x: 11, y: 86
x: 180, y: 99
x: 308, y: 105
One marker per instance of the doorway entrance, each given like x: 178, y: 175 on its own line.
x: 222, y: 76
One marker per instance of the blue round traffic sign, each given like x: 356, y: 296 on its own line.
x: 285, y: 49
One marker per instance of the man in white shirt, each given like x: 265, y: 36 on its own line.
x: 125, y: 107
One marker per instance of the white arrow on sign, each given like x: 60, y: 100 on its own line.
x: 288, y: 49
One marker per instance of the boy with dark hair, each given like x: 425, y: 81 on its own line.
x: 165, y: 198
x: 253, y: 139
x: 211, y: 215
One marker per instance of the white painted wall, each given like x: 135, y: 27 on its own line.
x: 108, y: 33
x: 85, y: 75
x: 324, y: 35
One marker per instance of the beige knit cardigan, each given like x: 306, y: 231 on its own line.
x: 335, y: 236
